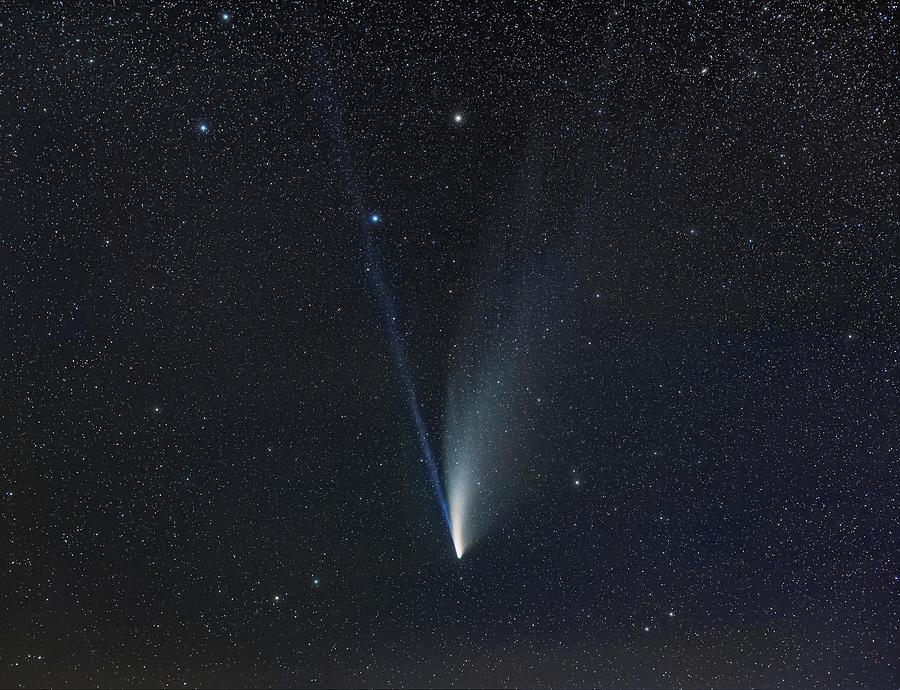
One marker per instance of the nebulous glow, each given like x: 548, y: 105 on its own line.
x: 457, y: 528
x: 478, y: 444
x: 493, y: 403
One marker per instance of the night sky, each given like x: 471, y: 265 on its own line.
x: 262, y: 266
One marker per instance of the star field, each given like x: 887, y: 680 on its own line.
x: 673, y: 227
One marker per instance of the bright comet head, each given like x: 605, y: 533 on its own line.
x: 457, y: 510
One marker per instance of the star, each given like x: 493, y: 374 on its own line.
x: 375, y: 218
x: 458, y: 118
x: 226, y: 17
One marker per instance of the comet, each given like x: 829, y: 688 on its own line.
x: 493, y: 398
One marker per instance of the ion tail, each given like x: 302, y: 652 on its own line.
x: 332, y: 116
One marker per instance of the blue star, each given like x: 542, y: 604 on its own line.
x: 375, y: 218
x: 226, y: 17
x: 203, y: 127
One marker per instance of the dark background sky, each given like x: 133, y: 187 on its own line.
x: 209, y: 476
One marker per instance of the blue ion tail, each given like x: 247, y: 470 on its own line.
x: 332, y: 116
x: 398, y: 351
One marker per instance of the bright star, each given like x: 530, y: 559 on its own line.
x: 226, y: 17
x: 204, y: 127
x: 375, y: 218
x: 458, y: 118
